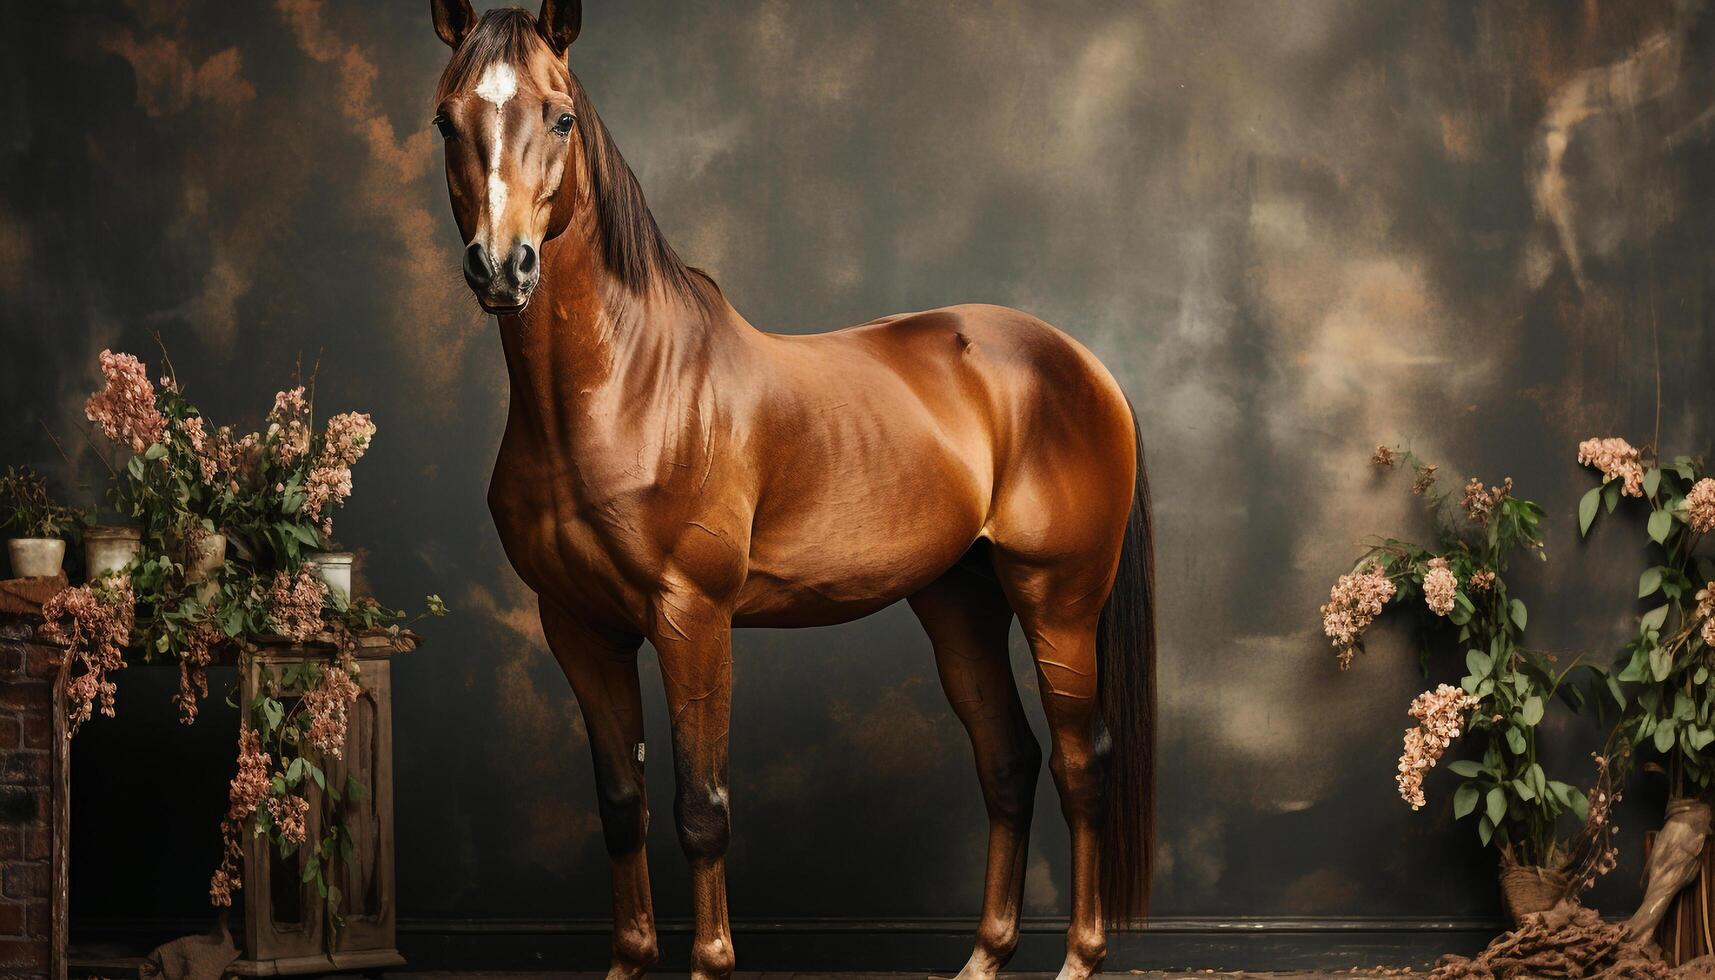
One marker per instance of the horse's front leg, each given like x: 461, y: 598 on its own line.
x: 603, y: 672
x: 693, y: 635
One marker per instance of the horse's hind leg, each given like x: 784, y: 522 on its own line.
x: 967, y: 619
x: 603, y: 672
x: 1059, y: 604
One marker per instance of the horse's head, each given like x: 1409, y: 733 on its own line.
x: 507, y: 110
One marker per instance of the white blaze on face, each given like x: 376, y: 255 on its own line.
x: 497, y: 87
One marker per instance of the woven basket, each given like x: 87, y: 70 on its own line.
x: 1526, y: 889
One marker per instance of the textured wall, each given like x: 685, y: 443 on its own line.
x: 1291, y: 230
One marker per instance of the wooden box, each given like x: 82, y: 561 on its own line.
x: 285, y: 918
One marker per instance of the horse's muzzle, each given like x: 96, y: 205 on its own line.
x: 505, y: 288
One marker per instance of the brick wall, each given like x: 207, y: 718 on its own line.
x: 28, y: 800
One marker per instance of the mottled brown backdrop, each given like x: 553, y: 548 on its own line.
x: 1293, y: 230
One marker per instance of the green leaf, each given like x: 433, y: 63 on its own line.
x: 1660, y: 525
x: 1587, y: 509
x: 1485, y: 830
x: 1466, y: 767
x: 1649, y: 581
x: 1664, y: 735
x: 1496, y: 805
x: 1579, y: 804
x: 1652, y: 480
x: 154, y: 452
x: 1464, y: 800
x: 1611, y: 495
x: 274, y: 711
x: 315, y: 772
x: 1525, y: 790
x: 1652, y: 620
x: 1478, y: 663
x: 1660, y: 663
x: 312, y: 870
x: 1520, y: 617
x: 135, y: 467
x: 1515, y: 740
x: 1532, y: 710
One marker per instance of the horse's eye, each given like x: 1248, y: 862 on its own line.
x: 445, y: 125
x: 563, y: 125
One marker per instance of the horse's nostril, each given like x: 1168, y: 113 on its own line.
x: 478, y: 269
x: 524, y: 260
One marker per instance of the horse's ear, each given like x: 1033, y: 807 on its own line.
x: 453, y: 20
x: 558, y: 23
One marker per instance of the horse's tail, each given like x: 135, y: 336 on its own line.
x: 1125, y: 657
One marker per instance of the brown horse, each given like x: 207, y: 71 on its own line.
x: 669, y: 472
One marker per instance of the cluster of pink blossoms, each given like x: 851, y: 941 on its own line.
x: 125, y: 406
x: 94, y: 622
x: 288, y: 435
x: 1353, y: 603
x: 235, y: 459
x: 1440, y: 718
x: 328, y: 706
x: 244, y: 794
x: 295, y: 604
x: 289, y: 812
x: 1481, y: 581
x: 1700, y: 506
x: 198, y: 653
x: 1439, y: 587
x: 329, y: 481
x: 1618, y: 460
x: 1480, y: 504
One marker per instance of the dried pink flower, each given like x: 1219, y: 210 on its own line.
x: 1440, y: 716
x: 328, y: 705
x: 1424, y: 479
x: 288, y: 434
x: 1700, y: 506
x: 125, y: 406
x: 1383, y: 457
x: 325, y: 488
x: 347, y: 439
x: 1618, y: 460
x: 1439, y: 587
x: 1480, y: 504
x: 1353, y: 603
x: 289, y: 812
x: 94, y: 622
x: 295, y: 604
x: 248, y: 789
x: 1481, y: 581
x: 193, y: 669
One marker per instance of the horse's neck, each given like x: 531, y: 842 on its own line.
x: 587, y: 346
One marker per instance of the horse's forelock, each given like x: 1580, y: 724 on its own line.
x: 506, y: 36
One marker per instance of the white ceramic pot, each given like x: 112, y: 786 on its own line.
x: 107, y: 549
x: 36, y: 557
x: 334, y: 569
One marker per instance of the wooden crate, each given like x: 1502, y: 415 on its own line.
x: 285, y: 921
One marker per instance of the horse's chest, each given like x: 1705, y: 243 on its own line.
x: 562, y: 547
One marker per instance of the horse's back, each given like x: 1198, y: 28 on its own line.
x: 908, y: 438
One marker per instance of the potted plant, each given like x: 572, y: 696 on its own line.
x: 1458, y: 595
x: 37, y: 526
x: 1666, y: 667
x: 177, y: 593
